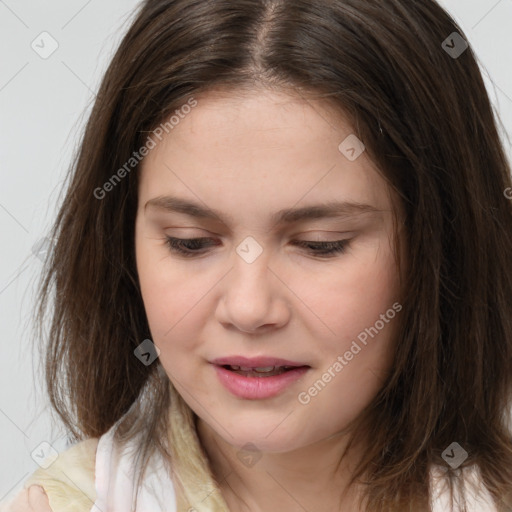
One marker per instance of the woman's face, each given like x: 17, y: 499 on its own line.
x: 260, y: 290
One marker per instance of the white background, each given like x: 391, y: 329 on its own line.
x: 43, y: 105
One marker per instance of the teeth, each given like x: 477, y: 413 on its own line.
x: 265, y: 369
x: 261, y: 369
x: 250, y: 369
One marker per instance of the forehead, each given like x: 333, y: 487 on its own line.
x: 259, y: 152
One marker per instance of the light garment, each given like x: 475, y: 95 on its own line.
x: 99, y: 476
x: 115, y: 480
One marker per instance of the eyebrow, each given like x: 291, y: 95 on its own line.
x: 331, y: 209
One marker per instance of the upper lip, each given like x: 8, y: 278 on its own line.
x: 255, y: 362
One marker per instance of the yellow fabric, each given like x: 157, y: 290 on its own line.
x: 69, y: 481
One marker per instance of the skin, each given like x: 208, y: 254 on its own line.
x: 250, y: 154
x: 33, y: 499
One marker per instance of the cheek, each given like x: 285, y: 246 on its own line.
x: 351, y: 296
x: 356, y: 361
x: 173, y: 304
x: 357, y: 307
x: 163, y: 292
x: 176, y: 304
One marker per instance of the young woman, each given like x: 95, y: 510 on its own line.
x: 282, y: 269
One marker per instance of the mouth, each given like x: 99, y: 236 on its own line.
x: 258, y: 366
x: 267, y: 371
x: 258, y: 378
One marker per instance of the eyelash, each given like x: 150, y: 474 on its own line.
x: 327, y: 249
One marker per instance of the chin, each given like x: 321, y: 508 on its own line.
x: 262, y: 442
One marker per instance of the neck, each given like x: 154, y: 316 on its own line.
x: 314, y: 477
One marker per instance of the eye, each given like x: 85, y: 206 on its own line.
x: 324, y: 249
x: 190, y: 247
x: 187, y: 246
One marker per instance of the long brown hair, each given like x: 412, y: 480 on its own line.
x: 426, y: 120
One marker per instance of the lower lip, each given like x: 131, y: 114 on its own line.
x: 257, y: 388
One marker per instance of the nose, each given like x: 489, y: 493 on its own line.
x: 254, y: 297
